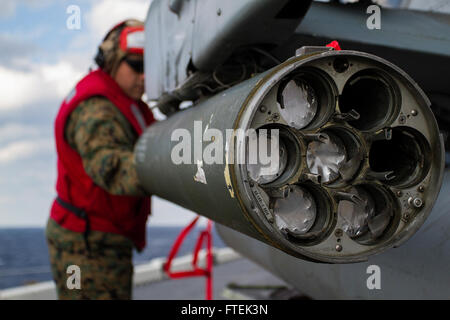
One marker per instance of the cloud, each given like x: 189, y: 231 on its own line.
x: 22, y: 149
x: 107, y: 13
x: 4, y: 200
x: 40, y: 83
x: 101, y: 17
x: 9, y: 6
x: 14, y: 51
x: 23, y: 82
x: 14, y: 131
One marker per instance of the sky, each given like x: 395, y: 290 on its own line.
x: 41, y: 60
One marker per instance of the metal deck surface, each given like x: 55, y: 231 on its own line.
x: 242, y: 272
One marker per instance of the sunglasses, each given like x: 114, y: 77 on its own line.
x: 136, y: 64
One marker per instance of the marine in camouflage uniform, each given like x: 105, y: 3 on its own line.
x: 98, y: 131
x: 103, y: 137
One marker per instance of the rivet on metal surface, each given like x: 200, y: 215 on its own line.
x: 338, y: 248
x: 421, y: 189
x: 263, y: 109
x: 414, y: 112
x: 415, y: 202
x: 402, y: 119
x: 338, y: 233
x: 399, y: 193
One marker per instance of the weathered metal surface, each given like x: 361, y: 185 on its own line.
x: 405, y: 38
x: 185, y: 36
x: 416, y: 270
x: 176, y: 183
x: 224, y: 193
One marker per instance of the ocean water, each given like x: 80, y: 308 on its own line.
x: 24, y: 253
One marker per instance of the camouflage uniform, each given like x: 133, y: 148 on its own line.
x: 106, y: 270
x: 104, y: 138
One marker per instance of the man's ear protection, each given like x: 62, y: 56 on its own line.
x: 100, y: 57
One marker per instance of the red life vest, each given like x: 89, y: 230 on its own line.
x: 125, y: 215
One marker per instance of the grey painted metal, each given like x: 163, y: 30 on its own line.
x: 406, y: 37
x: 400, y: 28
x: 175, y: 183
x: 419, y: 269
x: 324, y: 251
x: 236, y: 23
x: 176, y: 40
x: 167, y: 50
x: 224, y: 194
